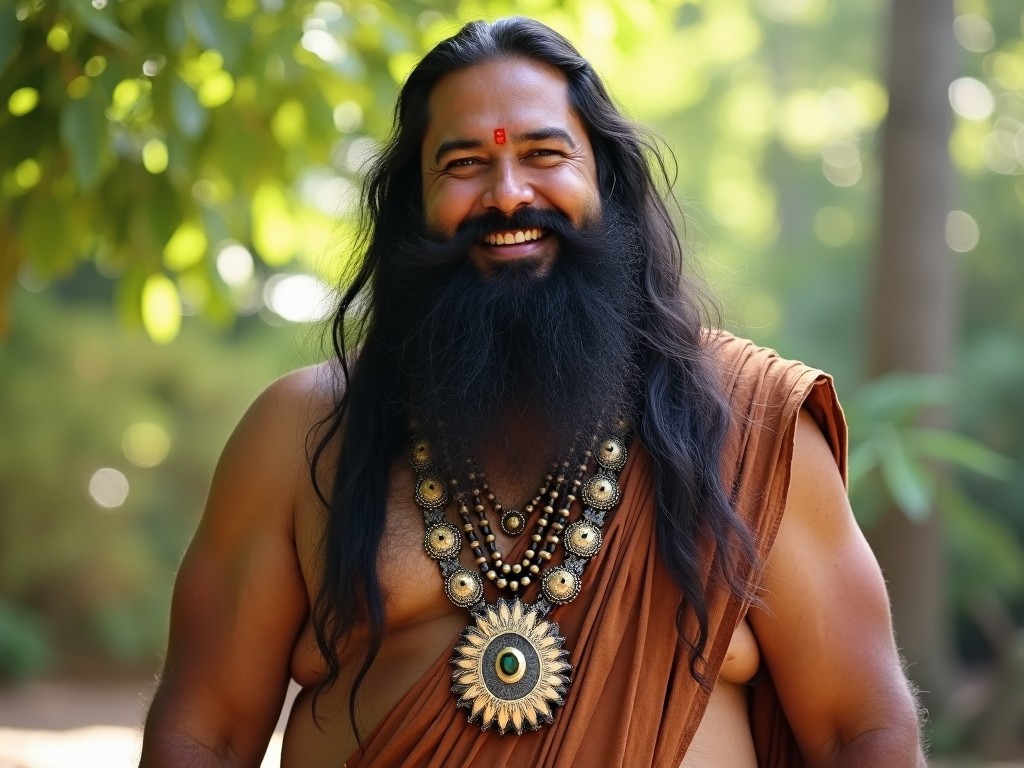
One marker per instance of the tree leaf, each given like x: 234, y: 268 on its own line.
x: 10, y: 34
x: 899, y: 397
x: 863, y: 458
x: 191, y: 116
x: 905, y: 479
x: 83, y: 131
x: 207, y: 22
x: 101, y: 22
x: 959, y: 450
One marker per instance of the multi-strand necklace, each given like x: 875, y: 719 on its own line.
x: 510, y: 664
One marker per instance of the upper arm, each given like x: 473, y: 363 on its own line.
x: 239, y: 598
x: 824, y: 626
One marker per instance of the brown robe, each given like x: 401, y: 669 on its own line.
x: 633, y: 701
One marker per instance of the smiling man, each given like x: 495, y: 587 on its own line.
x: 535, y: 513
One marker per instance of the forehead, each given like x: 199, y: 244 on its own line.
x: 518, y: 95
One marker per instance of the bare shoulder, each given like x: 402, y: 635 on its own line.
x: 824, y: 626
x: 240, y: 598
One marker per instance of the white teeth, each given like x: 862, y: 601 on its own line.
x: 512, y: 238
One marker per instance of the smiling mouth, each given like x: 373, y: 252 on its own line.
x: 514, y: 236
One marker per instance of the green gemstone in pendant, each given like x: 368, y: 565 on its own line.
x: 509, y: 664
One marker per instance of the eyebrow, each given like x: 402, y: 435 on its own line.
x: 542, y: 134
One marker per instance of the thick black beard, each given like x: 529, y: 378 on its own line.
x: 559, y: 344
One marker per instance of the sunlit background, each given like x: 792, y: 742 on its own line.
x: 179, y: 182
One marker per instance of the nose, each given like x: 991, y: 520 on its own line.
x: 508, y: 189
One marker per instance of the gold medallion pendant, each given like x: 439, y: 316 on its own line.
x: 510, y: 666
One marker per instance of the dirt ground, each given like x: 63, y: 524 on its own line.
x: 56, y: 725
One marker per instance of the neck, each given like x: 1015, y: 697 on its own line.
x: 519, y: 453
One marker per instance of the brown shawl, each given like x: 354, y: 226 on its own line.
x: 632, y: 701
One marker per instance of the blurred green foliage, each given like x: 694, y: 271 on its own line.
x: 82, y: 579
x: 142, y: 144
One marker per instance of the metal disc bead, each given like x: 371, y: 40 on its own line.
x: 464, y: 588
x: 431, y: 492
x: 513, y: 522
x: 420, y: 455
x: 601, y: 492
x: 582, y: 539
x: 442, y: 541
x: 560, y: 585
x: 611, y: 454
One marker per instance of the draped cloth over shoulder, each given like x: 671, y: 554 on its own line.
x: 633, y: 701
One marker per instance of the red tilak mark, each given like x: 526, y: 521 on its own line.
x: 499, y: 135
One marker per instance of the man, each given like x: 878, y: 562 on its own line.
x: 540, y: 515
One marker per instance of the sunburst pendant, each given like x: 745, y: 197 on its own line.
x: 510, y: 668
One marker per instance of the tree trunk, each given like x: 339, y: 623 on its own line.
x: 913, y: 313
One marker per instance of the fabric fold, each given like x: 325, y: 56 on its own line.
x: 633, y: 701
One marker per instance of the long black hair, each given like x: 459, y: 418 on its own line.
x: 681, y: 417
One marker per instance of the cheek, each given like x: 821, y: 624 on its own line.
x: 446, y: 208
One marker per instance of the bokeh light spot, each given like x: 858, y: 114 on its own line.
x: 79, y: 87
x: 235, y: 264
x: 971, y: 98
x: 974, y: 32
x: 23, y: 101
x: 348, y: 116
x: 833, y: 226
x: 186, y: 247
x: 27, y: 173
x: 289, y: 124
x: 154, y: 156
x: 161, y: 309
x: 299, y: 298
x: 216, y: 90
x: 146, y: 444
x: 96, y: 66
x: 58, y: 38
x: 962, y: 231
x: 108, y: 488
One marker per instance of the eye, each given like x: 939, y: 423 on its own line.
x: 462, y: 162
x: 545, y: 155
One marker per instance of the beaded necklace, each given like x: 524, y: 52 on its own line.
x: 510, y: 664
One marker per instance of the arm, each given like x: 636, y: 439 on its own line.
x: 239, y: 599
x: 825, y: 629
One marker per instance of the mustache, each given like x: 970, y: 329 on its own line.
x: 428, y: 249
